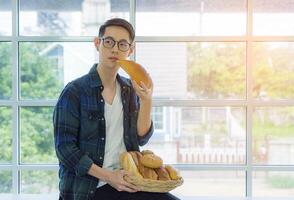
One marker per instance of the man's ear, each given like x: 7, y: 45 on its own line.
x: 97, y: 43
x: 132, y: 49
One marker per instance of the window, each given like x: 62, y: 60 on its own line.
x: 47, y: 67
x: 67, y: 18
x: 6, y: 134
x: 223, y: 76
x: 186, y: 18
x: 5, y: 70
x: 158, y: 117
x: 274, y: 18
x: 6, y: 18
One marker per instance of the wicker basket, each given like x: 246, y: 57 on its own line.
x: 149, y: 185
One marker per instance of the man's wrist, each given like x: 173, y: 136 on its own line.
x: 146, y: 102
x: 99, y: 173
x: 105, y: 175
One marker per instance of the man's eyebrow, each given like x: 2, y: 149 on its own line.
x: 124, y: 40
x: 128, y: 41
x: 115, y: 39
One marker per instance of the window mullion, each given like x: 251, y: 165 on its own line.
x: 249, y: 109
x: 15, y: 115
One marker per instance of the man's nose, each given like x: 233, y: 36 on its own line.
x: 115, y: 48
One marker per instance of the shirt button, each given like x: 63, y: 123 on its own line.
x: 100, y: 157
x: 101, y: 100
x: 91, y: 192
x: 124, y: 101
x: 102, y: 138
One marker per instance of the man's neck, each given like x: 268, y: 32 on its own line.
x: 107, y: 75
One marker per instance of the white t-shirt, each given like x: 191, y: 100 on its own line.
x: 114, y: 144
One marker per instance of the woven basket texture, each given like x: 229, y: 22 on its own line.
x: 149, y: 185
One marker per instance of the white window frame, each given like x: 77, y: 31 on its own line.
x: 15, y: 103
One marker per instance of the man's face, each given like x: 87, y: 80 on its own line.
x: 107, y: 54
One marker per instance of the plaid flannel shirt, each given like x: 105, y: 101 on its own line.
x: 79, y: 132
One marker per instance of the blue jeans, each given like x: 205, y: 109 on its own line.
x: 107, y: 192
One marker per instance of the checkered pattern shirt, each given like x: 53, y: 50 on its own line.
x: 79, y: 132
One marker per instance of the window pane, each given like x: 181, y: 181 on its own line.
x: 184, y: 18
x: 273, y: 184
x: 69, y: 17
x: 39, y: 182
x: 273, y: 70
x: 5, y: 70
x: 212, y: 183
x: 47, y: 67
x: 202, y: 135
x: 36, y: 143
x: 5, y: 135
x: 274, y: 18
x: 5, y: 181
x: 273, y: 135
x: 158, y: 118
x: 206, y: 70
x: 5, y: 18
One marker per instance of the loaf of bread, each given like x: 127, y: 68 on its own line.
x: 128, y: 164
x: 144, y: 152
x: 147, y: 165
x: 137, y: 155
x: 151, y: 161
x: 135, y: 71
x: 174, y: 174
x: 146, y: 172
x: 162, y: 174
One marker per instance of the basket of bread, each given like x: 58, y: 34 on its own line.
x: 148, y: 171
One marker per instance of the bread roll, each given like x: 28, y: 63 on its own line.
x: 174, y: 174
x: 134, y: 156
x: 140, y: 165
x: 144, y: 171
x: 150, y: 173
x: 151, y: 161
x: 128, y: 164
x: 162, y: 174
x: 144, y: 152
x: 148, y: 166
x: 135, y: 71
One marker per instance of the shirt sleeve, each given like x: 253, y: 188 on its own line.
x: 66, y: 122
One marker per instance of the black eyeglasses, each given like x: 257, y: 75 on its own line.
x: 109, y: 42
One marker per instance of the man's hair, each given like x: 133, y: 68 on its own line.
x: 118, y: 22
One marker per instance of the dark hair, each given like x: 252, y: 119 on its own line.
x: 118, y: 22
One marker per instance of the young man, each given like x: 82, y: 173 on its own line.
x: 97, y: 117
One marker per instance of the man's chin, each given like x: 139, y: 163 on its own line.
x: 112, y: 65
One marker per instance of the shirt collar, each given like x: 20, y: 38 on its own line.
x: 95, y: 80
